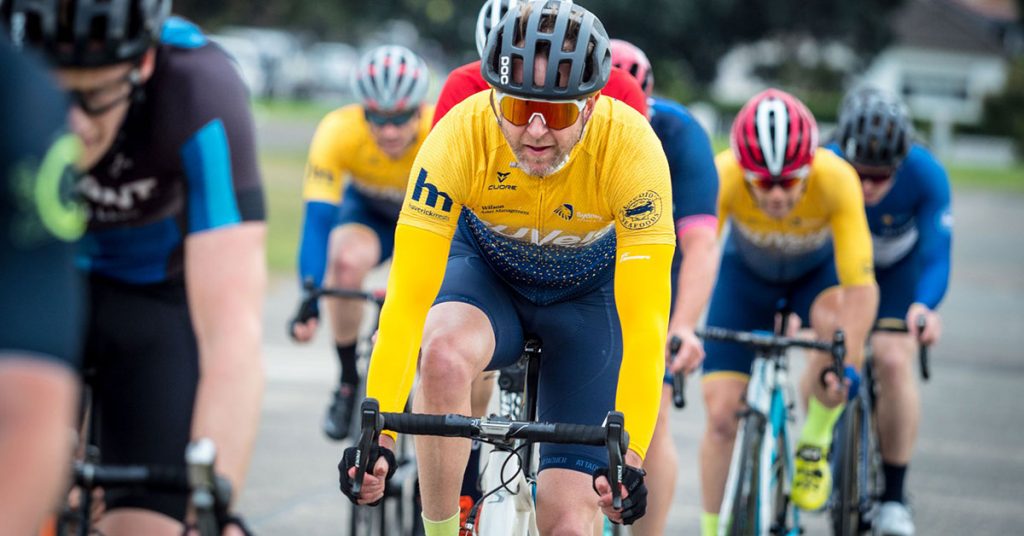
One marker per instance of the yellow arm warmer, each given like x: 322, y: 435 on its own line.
x: 416, y: 274
x: 642, y: 294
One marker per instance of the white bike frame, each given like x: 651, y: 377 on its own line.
x: 769, y: 394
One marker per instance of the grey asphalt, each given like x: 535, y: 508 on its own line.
x: 967, y: 476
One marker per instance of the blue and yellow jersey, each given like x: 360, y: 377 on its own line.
x: 608, y: 210
x: 343, y: 152
x: 828, y: 218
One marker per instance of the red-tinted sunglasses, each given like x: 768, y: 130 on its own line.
x: 786, y: 182
x: 876, y: 178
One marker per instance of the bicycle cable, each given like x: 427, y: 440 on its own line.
x: 471, y: 517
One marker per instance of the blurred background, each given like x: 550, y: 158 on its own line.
x: 959, y: 64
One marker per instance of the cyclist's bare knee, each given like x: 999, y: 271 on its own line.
x: 825, y: 312
x: 722, y: 399
x: 457, y: 344
x: 566, y: 503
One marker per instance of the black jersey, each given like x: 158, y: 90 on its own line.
x: 184, y: 162
x: 40, y: 301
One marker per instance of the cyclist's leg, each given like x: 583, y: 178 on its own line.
x: 473, y: 320
x: 361, y: 240
x: 899, y: 404
x: 144, y: 352
x: 356, y: 246
x: 662, y: 464
x: 740, y: 301
x: 818, y: 298
x: 577, y: 384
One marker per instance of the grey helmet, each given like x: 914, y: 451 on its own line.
x: 874, y: 128
x: 390, y: 79
x: 85, y: 33
x: 546, y: 26
x: 490, y: 14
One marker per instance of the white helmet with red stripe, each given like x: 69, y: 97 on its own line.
x: 774, y: 134
x: 391, y: 79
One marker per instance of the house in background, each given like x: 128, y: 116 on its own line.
x: 946, y: 57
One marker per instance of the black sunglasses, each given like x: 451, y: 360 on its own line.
x: 397, y: 119
x: 100, y: 100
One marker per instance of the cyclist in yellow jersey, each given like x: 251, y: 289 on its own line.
x: 797, y: 230
x: 359, y: 159
x: 550, y: 207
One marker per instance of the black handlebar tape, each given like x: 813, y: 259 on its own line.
x: 580, y: 434
x: 437, y: 425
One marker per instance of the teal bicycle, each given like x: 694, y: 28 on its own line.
x: 757, y: 493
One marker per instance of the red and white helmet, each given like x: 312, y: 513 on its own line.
x: 627, y: 56
x: 774, y: 134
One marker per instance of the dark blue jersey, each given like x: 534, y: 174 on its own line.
x: 40, y: 301
x: 184, y: 162
x: 915, y: 217
x: 690, y: 161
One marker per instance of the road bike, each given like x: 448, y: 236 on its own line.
x: 757, y: 493
x: 857, y: 456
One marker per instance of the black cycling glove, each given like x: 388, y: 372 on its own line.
x: 307, y: 309
x: 348, y: 461
x: 635, y: 506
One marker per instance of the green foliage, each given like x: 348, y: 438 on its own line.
x: 684, y: 39
x: 1004, y: 113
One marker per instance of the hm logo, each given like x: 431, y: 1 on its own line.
x: 432, y: 193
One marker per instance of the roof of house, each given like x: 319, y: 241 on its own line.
x: 947, y: 25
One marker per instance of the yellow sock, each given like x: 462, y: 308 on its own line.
x: 817, y: 430
x: 448, y: 527
x: 708, y: 524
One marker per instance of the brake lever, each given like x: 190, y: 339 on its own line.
x: 922, y: 322
x: 369, y: 432
x: 679, y: 377
x: 838, y: 358
x: 614, y: 426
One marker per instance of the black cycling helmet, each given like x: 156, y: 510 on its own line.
x: 874, y: 129
x: 85, y: 33
x: 548, y: 28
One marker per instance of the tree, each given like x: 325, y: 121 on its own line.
x: 1004, y: 113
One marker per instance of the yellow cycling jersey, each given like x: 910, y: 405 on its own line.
x: 608, y: 208
x: 829, y: 217
x: 613, y: 182
x: 343, y: 149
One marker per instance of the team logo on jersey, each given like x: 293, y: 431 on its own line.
x: 434, y: 197
x: 502, y: 177
x: 565, y: 211
x: 642, y: 212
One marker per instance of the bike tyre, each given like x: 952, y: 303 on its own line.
x: 744, y: 514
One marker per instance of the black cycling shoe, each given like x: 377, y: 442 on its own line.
x: 338, y: 419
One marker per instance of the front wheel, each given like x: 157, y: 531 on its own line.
x: 845, y: 510
x: 743, y: 516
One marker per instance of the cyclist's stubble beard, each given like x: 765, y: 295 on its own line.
x: 557, y: 144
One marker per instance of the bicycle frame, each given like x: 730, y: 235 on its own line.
x: 770, y: 396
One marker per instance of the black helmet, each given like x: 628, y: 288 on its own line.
x: 874, y: 129
x: 85, y: 33
x: 546, y: 27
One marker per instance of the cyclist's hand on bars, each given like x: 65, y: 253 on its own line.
x: 383, y: 464
x: 634, y: 495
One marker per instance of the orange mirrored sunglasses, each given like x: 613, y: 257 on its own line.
x: 557, y: 115
x: 786, y: 182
